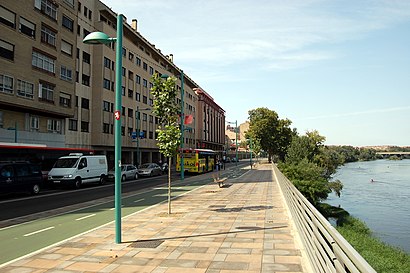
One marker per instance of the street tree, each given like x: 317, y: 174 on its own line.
x: 273, y: 134
x: 167, y: 110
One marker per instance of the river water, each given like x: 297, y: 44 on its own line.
x: 382, y: 203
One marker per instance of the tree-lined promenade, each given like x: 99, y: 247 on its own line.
x: 310, y: 165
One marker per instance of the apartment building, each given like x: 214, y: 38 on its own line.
x: 37, y: 60
x: 65, y: 98
x: 211, y: 123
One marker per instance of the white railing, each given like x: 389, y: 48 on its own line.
x: 326, y: 249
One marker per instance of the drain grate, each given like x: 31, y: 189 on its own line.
x: 147, y: 244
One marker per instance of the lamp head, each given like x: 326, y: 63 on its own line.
x: 98, y: 38
x: 164, y: 76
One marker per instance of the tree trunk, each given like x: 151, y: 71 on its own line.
x: 169, y: 184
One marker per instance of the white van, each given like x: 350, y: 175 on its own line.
x: 76, y: 169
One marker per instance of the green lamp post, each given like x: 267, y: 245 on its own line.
x: 102, y: 38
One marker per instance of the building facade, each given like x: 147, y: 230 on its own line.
x: 58, y: 91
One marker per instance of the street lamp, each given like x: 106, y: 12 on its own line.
x: 138, y: 120
x: 164, y: 76
x: 250, y: 149
x: 236, y: 139
x: 102, y: 38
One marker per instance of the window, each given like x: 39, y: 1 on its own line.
x: 34, y: 123
x: 7, y: 17
x: 86, y: 57
x: 25, y: 89
x: 130, y: 93
x: 107, y: 84
x: 145, y: 99
x: 66, y: 48
x: 66, y: 73
x: 28, y: 28
x: 145, y: 66
x: 85, y: 11
x: 43, y: 62
x: 130, y: 56
x: 68, y: 23
x: 72, y: 125
x: 151, y: 70
x: 89, y: 14
x: 48, y: 35
x: 137, y: 96
x: 85, y: 32
x: 123, y: 71
x: 106, y: 106
x: 85, y: 80
x: 130, y: 75
x: 6, y: 84
x: 1, y: 119
x: 144, y: 82
x: 144, y: 117
x: 138, y: 61
x: 85, y: 103
x: 124, y: 52
x: 70, y: 3
x: 130, y: 112
x: 106, y: 128
x: 54, y: 125
x: 151, y: 102
x: 138, y: 79
x: 79, y: 6
x: 6, y: 50
x: 123, y: 110
x: 47, y: 7
x: 46, y: 92
x: 107, y: 63
x: 151, y: 119
x: 84, y: 126
x: 65, y: 100
x: 151, y: 135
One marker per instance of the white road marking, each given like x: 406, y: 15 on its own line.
x: 38, y: 231
x: 136, y: 201
x: 85, y: 217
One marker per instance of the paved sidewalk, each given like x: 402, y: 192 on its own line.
x: 242, y: 227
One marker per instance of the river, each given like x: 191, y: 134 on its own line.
x: 378, y: 192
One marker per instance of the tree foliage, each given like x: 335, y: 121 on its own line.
x: 271, y: 133
x: 166, y: 109
x: 310, y: 165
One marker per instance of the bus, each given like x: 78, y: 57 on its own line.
x: 197, y: 160
x: 36, y: 153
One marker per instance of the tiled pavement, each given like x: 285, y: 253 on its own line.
x: 243, y: 227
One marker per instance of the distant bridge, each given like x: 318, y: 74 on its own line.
x: 399, y: 154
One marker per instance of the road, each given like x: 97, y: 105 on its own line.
x: 53, y: 226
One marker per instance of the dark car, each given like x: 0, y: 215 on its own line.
x: 19, y: 176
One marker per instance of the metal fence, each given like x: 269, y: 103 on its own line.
x: 327, y: 250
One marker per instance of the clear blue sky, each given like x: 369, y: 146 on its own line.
x: 339, y: 67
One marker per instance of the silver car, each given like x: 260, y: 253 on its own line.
x: 149, y: 169
x: 128, y: 171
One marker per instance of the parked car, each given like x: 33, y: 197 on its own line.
x: 77, y: 169
x: 149, y: 169
x: 128, y: 171
x: 16, y: 177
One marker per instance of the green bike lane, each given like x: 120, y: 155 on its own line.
x: 23, y: 239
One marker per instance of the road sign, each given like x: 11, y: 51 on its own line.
x: 117, y: 115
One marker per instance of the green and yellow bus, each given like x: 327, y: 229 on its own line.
x: 196, y: 160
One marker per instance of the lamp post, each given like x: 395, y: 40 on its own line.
x: 137, y: 128
x: 164, y: 76
x: 250, y: 148
x: 102, y: 38
x: 236, y: 139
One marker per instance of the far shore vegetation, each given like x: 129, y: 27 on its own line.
x: 310, y: 165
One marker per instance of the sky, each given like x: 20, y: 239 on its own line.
x: 339, y: 67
